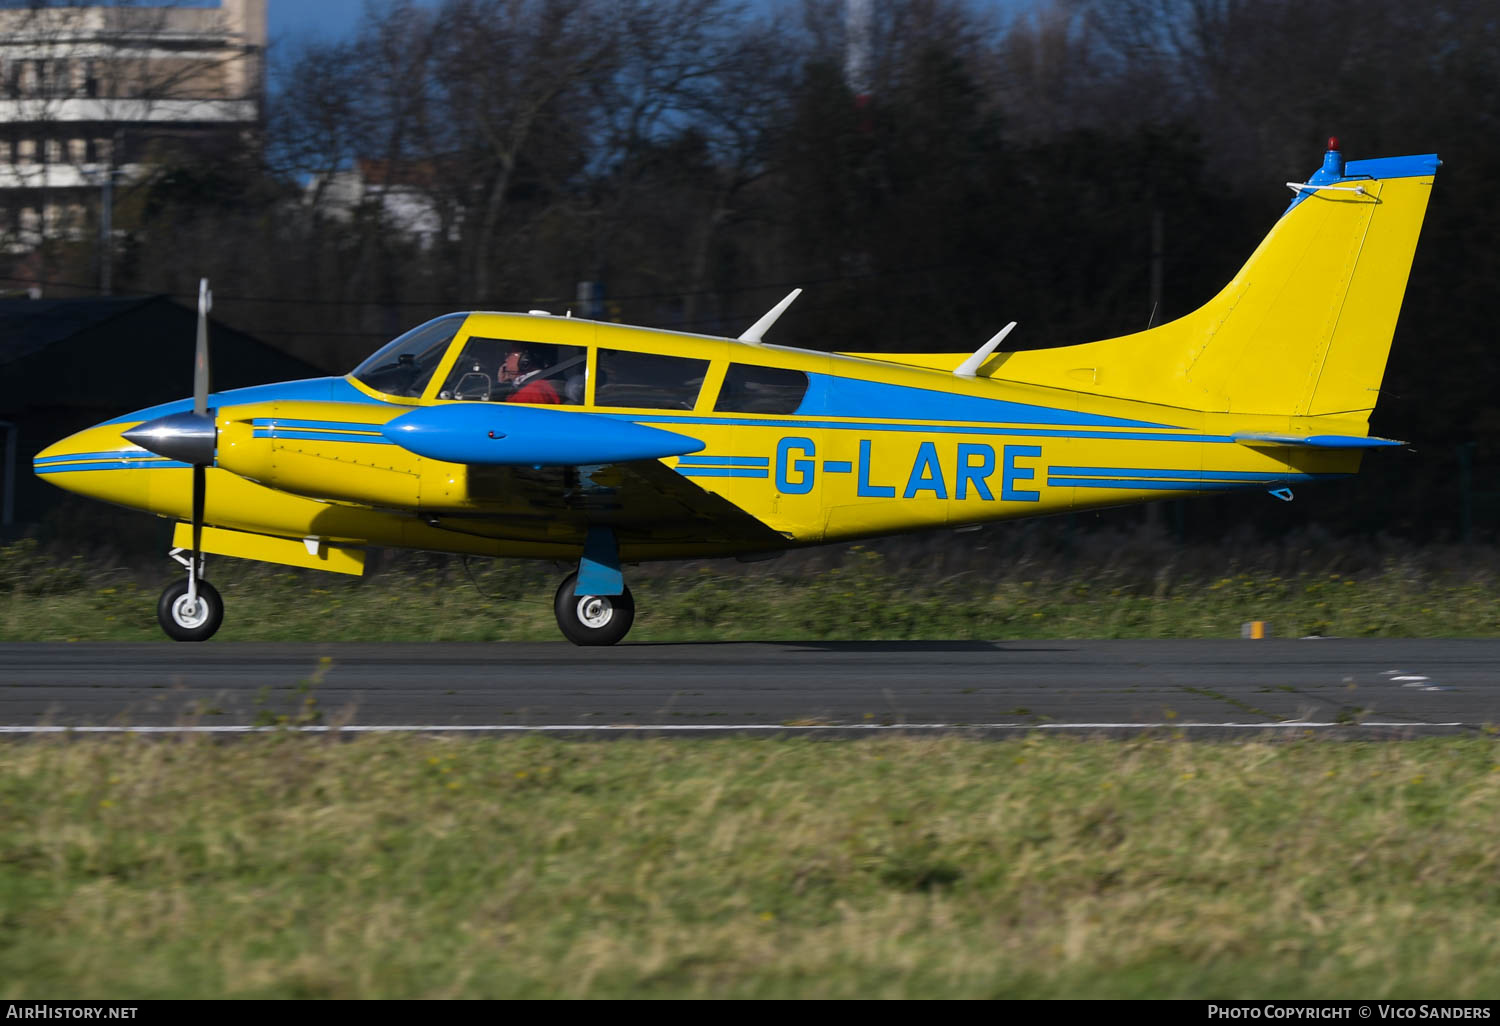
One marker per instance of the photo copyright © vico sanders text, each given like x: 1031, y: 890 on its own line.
x: 1370, y: 1011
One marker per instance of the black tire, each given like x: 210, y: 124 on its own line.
x: 179, y: 627
x: 592, y: 619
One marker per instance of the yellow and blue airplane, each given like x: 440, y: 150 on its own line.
x: 532, y: 435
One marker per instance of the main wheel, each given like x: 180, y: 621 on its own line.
x: 592, y: 619
x: 185, y: 620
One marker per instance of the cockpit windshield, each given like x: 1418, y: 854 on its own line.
x: 404, y: 365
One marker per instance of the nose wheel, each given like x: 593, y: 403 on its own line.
x: 592, y: 619
x: 187, y: 617
x: 191, y: 609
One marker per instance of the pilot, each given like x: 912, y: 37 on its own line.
x: 520, y: 369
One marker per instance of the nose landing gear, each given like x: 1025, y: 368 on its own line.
x: 190, y: 610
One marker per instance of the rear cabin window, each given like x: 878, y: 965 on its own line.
x: 648, y: 381
x: 500, y: 370
x: 751, y: 389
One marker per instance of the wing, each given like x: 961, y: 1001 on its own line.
x: 646, y: 502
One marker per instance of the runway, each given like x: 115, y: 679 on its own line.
x: 1340, y: 687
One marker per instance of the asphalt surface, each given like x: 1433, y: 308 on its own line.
x: 1340, y: 687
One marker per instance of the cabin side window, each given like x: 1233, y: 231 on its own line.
x: 499, y: 370
x: 751, y: 389
x: 648, y: 381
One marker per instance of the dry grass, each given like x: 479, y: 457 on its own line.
x: 291, y: 866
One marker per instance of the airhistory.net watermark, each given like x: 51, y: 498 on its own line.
x: 43, y: 1010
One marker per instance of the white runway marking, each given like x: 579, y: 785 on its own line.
x: 715, y: 728
x: 1413, y: 680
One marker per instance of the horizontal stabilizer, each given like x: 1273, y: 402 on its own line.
x: 497, y: 434
x: 1258, y: 439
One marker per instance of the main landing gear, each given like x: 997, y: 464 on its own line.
x: 593, y: 606
x: 191, y: 609
x: 592, y: 619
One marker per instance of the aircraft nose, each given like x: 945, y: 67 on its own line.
x: 79, y: 451
x: 94, y: 462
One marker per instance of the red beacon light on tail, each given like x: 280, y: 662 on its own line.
x: 1333, y: 165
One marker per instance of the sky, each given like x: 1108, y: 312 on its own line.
x: 286, y: 18
x: 289, y: 20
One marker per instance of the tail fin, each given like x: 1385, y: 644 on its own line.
x: 1303, y: 329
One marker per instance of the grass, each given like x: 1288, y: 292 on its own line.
x: 283, y: 865
x: 288, y: 866
x: 1100, y: 587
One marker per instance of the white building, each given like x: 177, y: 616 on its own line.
x: 90, y: 90
x: 401, y: 193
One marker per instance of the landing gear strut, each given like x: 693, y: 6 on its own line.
x: 593, y: 606
x: 190, y: 610
x: 592, y: 619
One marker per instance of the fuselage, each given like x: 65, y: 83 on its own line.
x: 816, y: 447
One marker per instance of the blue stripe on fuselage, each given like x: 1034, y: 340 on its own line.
x: 317, y: 425
x: 1182, y: 485
x: 724, y: 461
x: 74, y: 457
x: 761, y: 472
x: 1192, y: 475
x: 336, y: 390
x: 938, y: 429
x: 831, y: 396
x: 304, y: 435
x: 68, y: 468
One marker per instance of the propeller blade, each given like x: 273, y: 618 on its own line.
x: 200, y: 412
x: 200, y: 360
